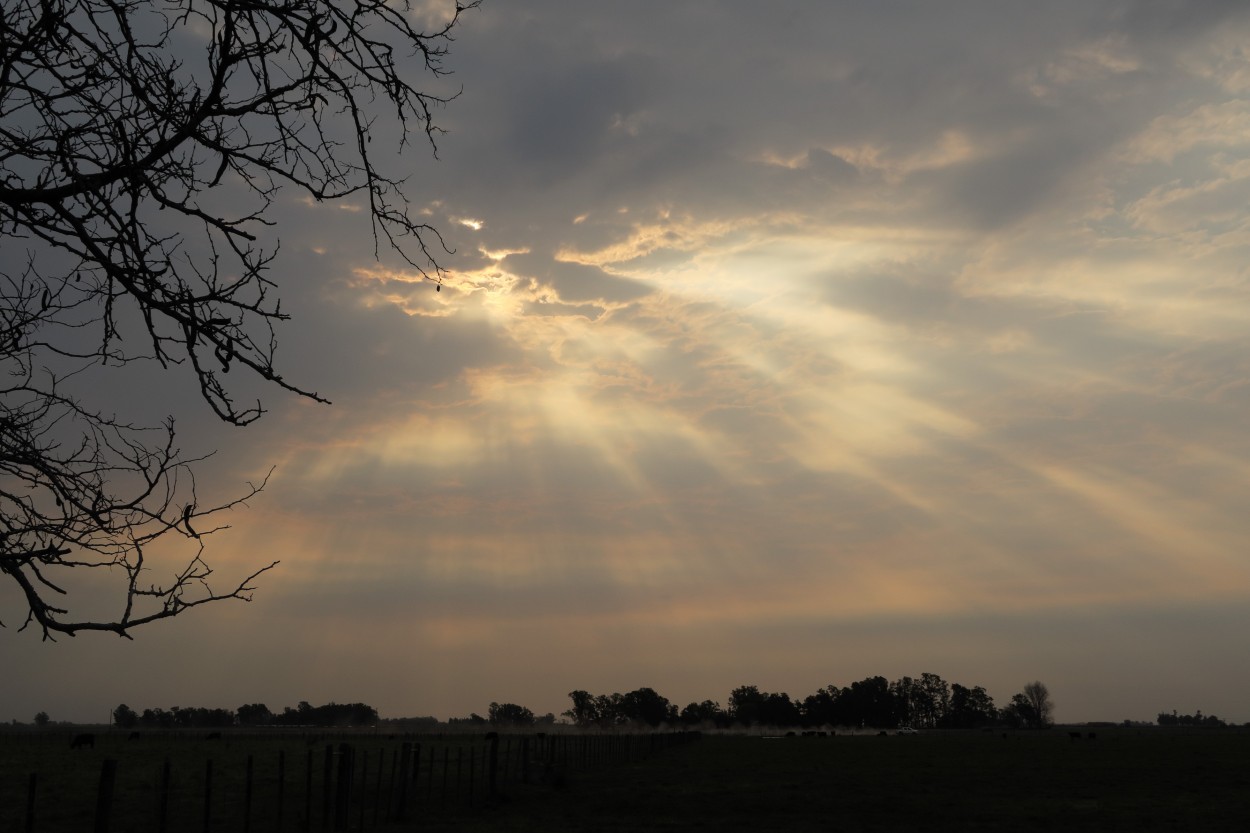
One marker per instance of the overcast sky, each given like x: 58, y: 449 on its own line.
x: 784, y: 344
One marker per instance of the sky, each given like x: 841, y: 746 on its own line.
x: 782, y: 345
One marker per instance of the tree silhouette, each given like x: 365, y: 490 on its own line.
x: 125, y: 717
x: 510, y: 714
x: 1038, y: 698
x: 142, y: 146
x: 1031, y: 708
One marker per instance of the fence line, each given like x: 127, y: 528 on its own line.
x: 253, y: 789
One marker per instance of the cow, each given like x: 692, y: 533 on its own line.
x: 133, y: 736
x: 1074, y: 736
x: 84, y: 739
x: 213, y: 736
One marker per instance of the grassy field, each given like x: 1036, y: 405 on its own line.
x: 68, y: 780
x: 1127, y: 779
x: 1130, y: 780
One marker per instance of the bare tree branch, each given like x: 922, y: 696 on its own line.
x: 118, y: 118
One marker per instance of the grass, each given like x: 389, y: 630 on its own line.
x: 68, y: 780
x: 1127, y: 779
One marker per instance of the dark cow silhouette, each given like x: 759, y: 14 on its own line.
x: 85, y: 739
x: 1074, y: 736
x: 213, y: 736
x: 1092, y: 736
x: 133, y: 736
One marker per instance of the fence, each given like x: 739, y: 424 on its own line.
x: 265, y: 783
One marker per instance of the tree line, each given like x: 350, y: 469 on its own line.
x: 924, y: 702
x: 249, y: 715
x: 1196, y: 719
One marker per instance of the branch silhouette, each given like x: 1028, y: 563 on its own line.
x: 125, y: 126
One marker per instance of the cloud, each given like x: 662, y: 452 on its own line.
x: 915, y: 330
x: 574, y: 282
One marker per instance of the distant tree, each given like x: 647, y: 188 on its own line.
x: 708, y: 712
x: 1195, y: 719
x: 867, y: 702
x: 474, y: 719
x: 777, y: 709
x: 820, y: 709
x: 156, y: 719
x: 937, y: 699
x: 910, y: 701
x: 1038, y: 697
x: 1018, y: 714
x: 1031, y: 708
x: 969, y: 708
x: 330, y: 715
x: 125, y: 717
x: 746, y: 704
x: 414, y: 724
x: 254, y: 714
x: 644, y: 705
x: 510, y: 714
x: 42, y: 719
x: 585, y: 710
x: 344, y: 714
x: 750, y: 706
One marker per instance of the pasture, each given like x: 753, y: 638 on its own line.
x: 1127, y: 779
x: 58, y: 780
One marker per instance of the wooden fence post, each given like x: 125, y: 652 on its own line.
x: 416, y: 771
x: 390, y: 785
x: 308, y: 793
x: 277, y: 826
x: 446, y: 773
x: 429, y: 779
x: 247, y: 798
x: 104, y: 798
x: 405, y: 769
x: 208, y: 795
x: 343, y: 796
x: 32, y: 784
x: 377, y: 792
x: 162, y: 801
x: 364, y: 788
x: 327, y: 797
x: 492, y: 767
